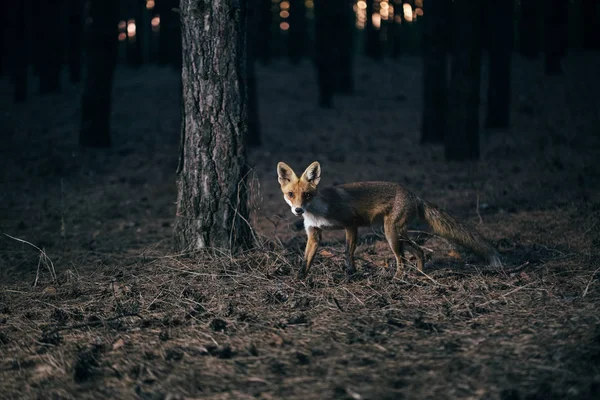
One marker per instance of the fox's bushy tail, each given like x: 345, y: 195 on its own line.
x: 448, y: 227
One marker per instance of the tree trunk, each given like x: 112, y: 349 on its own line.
x: 169, y: 50
x: 100, y: 61
x: 252, y: 43
x: 435, y: 71
x: 297, y: 34
x: 500, y: 27
x: 18, y: 44
x: 589, y: 27
x: 345, y: 42
x: 212, y: 210
x: 528, y: 28
x: 462, y: 141
x: 51, y: 45
x: 372, y: 41
x: 555, y: 35
x: 263, y: 34
x: 75, y: 30
x: 135, y: 53
x: 325, y: 56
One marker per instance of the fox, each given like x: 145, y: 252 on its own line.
x: 358, y: 204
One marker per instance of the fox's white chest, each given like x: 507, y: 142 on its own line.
x: 317, y: 221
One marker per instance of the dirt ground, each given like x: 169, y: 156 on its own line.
x: 94, y: 302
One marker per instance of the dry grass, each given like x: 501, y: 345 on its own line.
x: 119, y: 316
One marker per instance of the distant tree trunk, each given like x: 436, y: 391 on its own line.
x: 212, y: 202
x: 75, y: 30
x: 134, y: 49
x: 500, y: 27
x: 297, y: 32
x: 462, y: 141
x: 170, y: 34
x: 252, y: 43
x: 325, y: 56
x: 4, y: 12
x: 528, y: 28
x: 590, y: 22
x: 397, y: 27
x: 263, y: 34
x: 18, y: 49
x: 372, y: 40
x: 51, y: 45
x: 100, y: 61
x: 435, y: 71
x: 555, y: 35
x: 345, y: 42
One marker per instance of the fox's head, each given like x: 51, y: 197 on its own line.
x: 299, y: 192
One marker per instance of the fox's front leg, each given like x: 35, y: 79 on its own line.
x: 351, y: 237
x: 314, y: 238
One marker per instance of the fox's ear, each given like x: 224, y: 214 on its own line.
x: 285, y: 174
x: 312, y: 173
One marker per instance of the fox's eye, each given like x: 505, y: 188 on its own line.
x: 291, y: 195
x: 307, y: 196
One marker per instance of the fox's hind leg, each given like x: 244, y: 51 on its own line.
x: 416, y: 250
x: 396, y: 244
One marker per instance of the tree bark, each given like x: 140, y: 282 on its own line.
x: 212, y: 210
x: 75, y: 32
x: 555, y: 35
x: 528, y: 28
x: 500, y: 27
x: 100, y: 61
x: 462, y: 141
x: 51, y: 45
x: 435, y: 71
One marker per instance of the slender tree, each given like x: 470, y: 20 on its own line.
x: 100, y: 61
x: 528, y: 28
x: 51, y: 45
x: 212, y: 209
x: 372, y: 41
x: 297, y: 31
x: 263, y: 33
x: 75, y: 30
x: 435, y: 71
x: 500, y: 25
x: 462, y: 141
x: 253, y: 43
x: 344, y: 46
x: 325, y: 54
x: 589, y: 24
x: 19, y: 60
x: 555, y: 35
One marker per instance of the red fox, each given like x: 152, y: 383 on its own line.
x: 357, y: 204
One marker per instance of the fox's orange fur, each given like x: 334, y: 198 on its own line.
x: 353, y: 205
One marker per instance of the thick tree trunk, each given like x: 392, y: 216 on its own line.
x: 75, y: 33
x: 212, y: 210
x: 435, y: 71
x: 462, y: 141
x: 100, y: 61
x: 297, y: 34
x: 51, y: 45
x: 555, y: 35
x: 500, y: 19
x: 372, y: 39
x: 528, y: 28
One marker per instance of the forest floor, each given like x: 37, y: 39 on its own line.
x: 94, y: 302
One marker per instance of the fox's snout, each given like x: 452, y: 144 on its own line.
x: 297, y: 211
